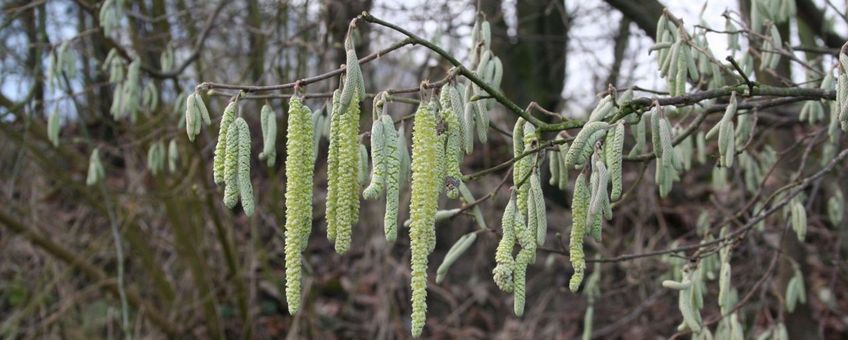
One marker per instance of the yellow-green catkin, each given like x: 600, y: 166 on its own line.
x: 244, y: 184
x: 392, y: 153
x: 526, y: 236
x: 504, y: 263
x: 453, y: 149
x: 299, y: 176
x: 218, y: 160
x: 231, y: 158
x: 521, y: 168
x: 423, y: 205
x: 333, y: 168
x: 347, y: 201
x: 579, y: 208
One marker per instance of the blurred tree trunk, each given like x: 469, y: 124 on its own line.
x: 534, y: 60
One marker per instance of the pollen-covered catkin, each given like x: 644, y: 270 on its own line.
x: 333, y: 189
x: 218, y: 159
x: 424, y: 199
x: 453, y: 149
x: 347, y: 208
x: 269, y: 135
x: 231, y: 158
x: 299, y: 174
x: 244, y: 184
x: 613, y: 148
x: 579, y: 209
x: 502, y: 274
x: 392, y: 153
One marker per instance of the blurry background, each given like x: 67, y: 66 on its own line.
x: 197, y: 268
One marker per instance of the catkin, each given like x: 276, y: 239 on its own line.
x: 378, y: 162
x: 218, y: 159
x: 424, y: 199
x: 502, y: 274
x: 173, y: 155
x: 333, y: 190
x: 231, y: 159
x: 269, y: 135
x: 392, y: 156
x: 613, y: 149
x: 95, y: 168
x: 244, y: 184
x: 453, y: 254
x: 584, y: 144
x: 538, y: 198
x: 453, y: 151
x: 579, y: 212
x: 347, y: 208
x: 299, y: 176
x: 53, y: 126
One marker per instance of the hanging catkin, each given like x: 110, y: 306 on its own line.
x: 424, y: 199
x: 299, y: 177
x: 173, y: 155
x: 53, y: 126
x: 244, y: 184
x: 584, y: 144
x: 504, y: 263
x: 538, y: 199
x: 231, y: 165
x: 579, y: 210
x: 333, y: 189
x: 453, y: 151
x: 347, y: 204
x: 392, y: 152
x: 95, y: 168
x: 613, y: 149
x: 218, y: 160
x: 269, y: 135
x: 378, y: 155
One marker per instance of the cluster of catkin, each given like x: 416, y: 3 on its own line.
x: 231, y: 163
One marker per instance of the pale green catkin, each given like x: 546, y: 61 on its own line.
x: 244, y: 184
x: 392, y: 154
x: 613, y: 149
x: 347, y: 204
x: 378, y: 162
x: 502, y: 274
x: 268, y: 120
x: 835, y: 208
x: 538, y: 198
x: 333, y: 168
x: 405, y: 159
x: 454, y: 253
x: 553, y: 167
x: 231, y: 158
x: 53, y: 126
x: 299, y: 161
x: 598, y: 197
x: 579, y: 212
x: 95, y: 168
x: 218, y: 159
x: 639, y: 134
x: 424, y: 199
x: 656, y: 143
x: 584, y: 144
x: 173, y: 155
